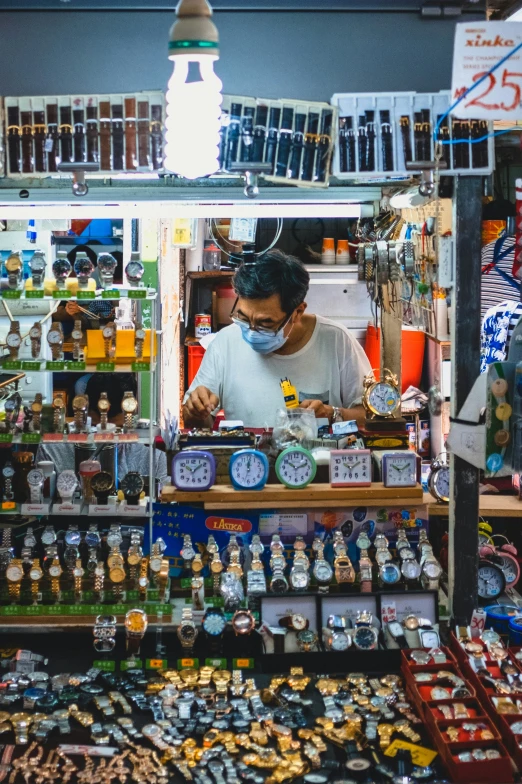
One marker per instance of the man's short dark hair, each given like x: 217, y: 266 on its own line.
x: 274, y: 273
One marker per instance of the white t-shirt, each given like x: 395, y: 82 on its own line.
x: 331, y: 368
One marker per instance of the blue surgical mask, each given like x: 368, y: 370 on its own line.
x: 263, y: 343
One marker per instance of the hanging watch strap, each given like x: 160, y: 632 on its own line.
x: 39, y: 133
x: 156, y: 135
x: 79, y: 133
x: 105, y: 136
x: 51, y: 142
x: 65, y: 130
x: 144, y: 135
x: 117, y: 137
x: 27, y: 138
x: 130, y: 134
x: 92, y: 134
x: 13, y: 138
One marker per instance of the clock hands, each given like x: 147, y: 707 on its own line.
x: 347, y: 465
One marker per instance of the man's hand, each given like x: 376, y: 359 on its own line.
x: 201, y: 403
x: 320, y: 409
x: 72, y: 308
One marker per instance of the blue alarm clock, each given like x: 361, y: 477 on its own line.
x: 248, y: 469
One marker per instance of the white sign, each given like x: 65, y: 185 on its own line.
x: 479, y: 47
x: 283, y: 524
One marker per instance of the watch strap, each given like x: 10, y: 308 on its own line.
x: 51, y: 142
x: 26, y: 132
x: 143, y: 135
x: 105, y: 135
x: 13, y: 138
x: 366, y: 586
x: 117, y: 136
x: 130, y: 134
x: 65, y: 130
x: 79, y: 131
x: 156, y: 135
x: 39, y: 133
x: 92, y: 134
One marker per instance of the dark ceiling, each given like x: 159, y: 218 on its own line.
x: 447, y: 7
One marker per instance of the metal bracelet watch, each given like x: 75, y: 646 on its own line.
x: 337, y: 415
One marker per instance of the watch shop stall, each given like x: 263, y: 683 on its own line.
x: 317, y: 594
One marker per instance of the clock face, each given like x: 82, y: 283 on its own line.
x: 295, y: 467
x: 54, y: 337
x: 383, y: 399
x: 214, y: 624
x: 399, y: 469
x: 390, y: 573
x: 440, y: 482
x: 192, y: 470
x: 340, y: 642
x: 510, y: 567
x: 248, y: 469
x: 491, y: 581
x: 350, y: 468
x: 13, y: 340
x: 14, y: 573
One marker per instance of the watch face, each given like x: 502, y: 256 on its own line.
x: 13, y: 340
x: 13, y: 263
x: 432, y: 569
x: 390, y: 573
x: 155, y: 564
x: 129, y: 405
x: 406, y: 553
x: 491, y: 636
x: 107, y: 264
x: 62, y: 268
x: 383, y: 399
x: 509, y: 566
x: 136, y: 621
x: 54, y: 337
x: 295, y: 467
x: 72, y: 537
x: 67, y: 482
x: 37, y: 265
x: 187, y: 631
x: 83, y: 267
x: 132, y: 484
x: 340, y: 642
x: 35, y: 477
x: 299, y: 579
x: 48, y: 536
x: 134, y: 270
x: 92, y: 538
x: 440, y: 482
x: 323, y: 572
x: 14, y: 573
x: 214, y: 623
x: 491, y: 581
x: 76, y: 334
x: 55, y: 571
x: 248, y: 469
x: 36, y: 573
x: 194, y: 470
x: 117, y: 574
x: 114, y: 538
x: 279, y: 585
x: 8, y: 472
x: 365, y: 638
x: 299, y: 622
x: 102, y: 482
x: 108, y: 331
x: 429, y: 639
x: 243, y: 622
x: 411, y: 569
x: 400, y: 469
x: 350, y: 468
x: 78, y: 571
x: 140, y: 334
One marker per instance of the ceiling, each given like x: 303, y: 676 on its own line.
x: 447, y: 7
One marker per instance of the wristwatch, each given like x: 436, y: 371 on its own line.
x: 134, y: 554
x: 397, y: 633
x: 103, y: 409
x: 134, y: 270
x: 129, y: 406
x: 365, y: 636
x: 77, y: 336
x: 216, y: 567
x: 136, y: 623
x: 102, y: 484
x: 55, y: 572
x: 343, y: 568
x: 14, y: 266
x: 187, y: 632
x: 143, y: 579
x: 322, y: 571
x: 365, y: 572
x: 36, y: 410
x: 132, y: 485
x: 35, y: 335
x: 83, y: 268
x: 58, y: 413
x: 12, y: 411
x: 14, y: 575
x: 109, y: 340
x: 37, y: 266
x: 139, y: 339
x: 104, y: 632
x: 8, y: 473
x: 35, y: 481
x: 14, y: 339
x: 107, y: 267
x: 78, y: 573
x: 80, y: 406
x: 62, y: 268
x: 66, y: 485
x: 431, y: 573
x: 337, y: 415
x: 55, y: 340
x: 99, y: 579
x: 213, y: 624
x: 243, y: 622
x: 295, y: 622
x: 35, y: 575
x: 256, y: 580
x: 162, y: 580
x: 306, y: 640
x: 338, y: 640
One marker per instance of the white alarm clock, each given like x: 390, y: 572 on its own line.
x: 399, y: 469
x: 350, y: 468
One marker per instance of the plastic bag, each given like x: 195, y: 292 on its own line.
x: 294, y: 426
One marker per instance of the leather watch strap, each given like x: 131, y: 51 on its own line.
x: 143, y: 134
x: 65, y: 131
x: 51, y: 144
x: 13, y: 138
x: 117, y: 136
x: 92, y: 133
x: 26, y: 122
x: 130, y: 134
x: 39, y: 133
x: 79, y: 131
x: 105, y: 135
x: 156, y: 135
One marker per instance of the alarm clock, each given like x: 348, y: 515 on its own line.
x: 491, y: 580
x: 248, y: 469
x: 194, y: 470
x: 295, y: 467
x: 439, y: 481
x: 399, y: 469
x: 350, y: 468
x: 381, y: 398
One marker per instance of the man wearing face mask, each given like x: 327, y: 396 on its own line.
x: 272, y: 338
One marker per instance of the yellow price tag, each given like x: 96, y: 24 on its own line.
x: 242, y: 663
x: 8, y: 505
x: 155, y: 664
x: 187, y: 662
x: 420, y: 755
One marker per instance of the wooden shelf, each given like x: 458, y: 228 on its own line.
x: 313, y: 496
x: 211, y: 274
x: 489, y: 506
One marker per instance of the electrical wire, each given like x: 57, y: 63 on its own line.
x: 464, y: 95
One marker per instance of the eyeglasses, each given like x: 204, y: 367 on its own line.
x: 241, y: 322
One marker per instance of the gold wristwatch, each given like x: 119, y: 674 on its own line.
x: 14, y: 339
x: 143, y: 579
x: 139, y: 339
x: 129, y: 406
x: 216, y: 567
x: 234, y: 565
x: 77, y: 336
x: 134, y: 556
x: 35, y: 575
x: 99, y: 579
x: 58, y: 413
x: 109, y: 340
x: 14, y: 267
x: 103, y: 409
x: 80, y: 408
x: 343, y: 568
x: 36, y: 410
x: 78, y: 573
x: 35, y: 335
x: 55, y: 340
x: 163, y: 578
x: 14, y: 574
x: 55, y: 572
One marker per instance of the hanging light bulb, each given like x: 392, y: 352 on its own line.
x: 194, y: 99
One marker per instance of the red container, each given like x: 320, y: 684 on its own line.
x: 195, y: 358
x: 413, y: 342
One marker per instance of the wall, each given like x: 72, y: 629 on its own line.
x: 286, y: 55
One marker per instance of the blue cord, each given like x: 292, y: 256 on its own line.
x: 482, y: 78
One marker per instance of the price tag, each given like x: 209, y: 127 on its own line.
x: 242, y: 664
x: 104, y: 436
x: 131, y: 665
x: 128, y: 437
x: 478, y: 622
x: 140, y: 367
x: 420, y: 755
x: 12, y: 364
x: 156, y: 664
x: 58, y: 437
x: 478, y: 47
x: 34, y: 294
x: 8, y: 505
x: 75, y: 365
x: 28, y: 365
x: 215, y: 601
x: 6, y: 438
x: 85, y: 295
x: 111, y: 294
x: 137, y: 293
x: 11, y: 294
x: 31, y: 438
x: 388, y: 611
x: 219, y: 664
x: 186, y: 582
x: 106, y: 367
x: 55, y: 365
x: 107, y: 665
x: 62, y: 294
x: 184, y: 664
x: 74, y: 438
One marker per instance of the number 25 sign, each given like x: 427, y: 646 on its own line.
x: 479, y: 47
